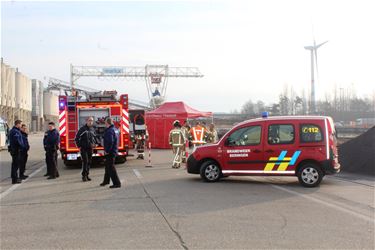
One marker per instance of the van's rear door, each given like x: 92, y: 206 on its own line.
x: 280, y: 150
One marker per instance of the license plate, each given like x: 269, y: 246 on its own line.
x: 72, y: 157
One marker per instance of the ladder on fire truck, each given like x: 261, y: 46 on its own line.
x: 155, y: 76
x: 66, y: 88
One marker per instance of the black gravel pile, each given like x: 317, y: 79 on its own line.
x: 358, y: 154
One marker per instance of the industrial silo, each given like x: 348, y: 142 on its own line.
x: 7, y: 100
x: 37, y: 123
x: 23, y: 98
x: 50, y: 108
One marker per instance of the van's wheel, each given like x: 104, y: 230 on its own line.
x: 210, y: 171
x: 310, y: 175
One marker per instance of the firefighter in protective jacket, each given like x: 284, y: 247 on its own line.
x: 177, y: 140
x: 140, y: 142
x: 198, y: 134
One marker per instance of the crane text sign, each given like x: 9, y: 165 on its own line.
x: 112, y: 70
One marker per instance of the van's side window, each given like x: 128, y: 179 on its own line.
x: 311, y: 133
x: 280, y: 134
x: 245, y: 136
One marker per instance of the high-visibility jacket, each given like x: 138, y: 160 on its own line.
x: 198, y: 133
x: 176, y: 137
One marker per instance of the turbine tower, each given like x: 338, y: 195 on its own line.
x: 313, y: 49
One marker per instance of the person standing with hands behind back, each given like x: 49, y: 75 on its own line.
x: 110, y: 148
x: 23, y: 153
x: 51, y: 142
x: 86, y: 141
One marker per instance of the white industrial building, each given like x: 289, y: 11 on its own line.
x: 25, y: 99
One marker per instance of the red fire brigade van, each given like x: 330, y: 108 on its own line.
x: 302, y: 146
x: 73, y: 114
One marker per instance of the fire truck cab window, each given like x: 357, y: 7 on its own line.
x: 280, y: 134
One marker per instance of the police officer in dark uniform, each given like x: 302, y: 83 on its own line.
x: 15, y: 146
x: 24, y: 152
x: 110, y: 148
x: 51, y: 145
x: 86, y: 140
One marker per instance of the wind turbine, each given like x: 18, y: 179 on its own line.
x: 313, y: 49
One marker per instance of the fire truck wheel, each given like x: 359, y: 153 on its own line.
x: 120, y: 159
x: 310, y: 175
x: 210, y: 171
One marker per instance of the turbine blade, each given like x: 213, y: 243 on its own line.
x: 317, y: 46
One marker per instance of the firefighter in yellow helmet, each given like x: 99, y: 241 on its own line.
x: 177, y: 140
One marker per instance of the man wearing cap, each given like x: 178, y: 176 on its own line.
x: 177, y: 141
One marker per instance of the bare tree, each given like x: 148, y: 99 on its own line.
x: 248, y: 108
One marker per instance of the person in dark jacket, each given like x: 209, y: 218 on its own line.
x: 110, y: 148
x: 51, y: 145
x: 24, y: 152
x: 15, y: 146
x: 86, y: 140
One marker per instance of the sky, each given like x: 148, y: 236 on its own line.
x: 245, y: 49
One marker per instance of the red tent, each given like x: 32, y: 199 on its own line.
x: 160, y: 121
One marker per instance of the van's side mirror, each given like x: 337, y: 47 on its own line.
x: 226, y: 142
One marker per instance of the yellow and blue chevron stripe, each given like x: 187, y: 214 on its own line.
x: 282, y: 161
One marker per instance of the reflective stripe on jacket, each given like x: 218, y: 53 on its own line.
x: 198, y: 134
x: 176, y: 137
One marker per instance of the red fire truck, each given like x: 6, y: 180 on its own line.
x: 73, y: 113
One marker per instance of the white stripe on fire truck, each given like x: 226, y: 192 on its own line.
x: 61, y: 114
x: 62, y: 122
x: 62, y: 131
x: 125, y: 120
x: 125, y: 128
x: 125, y: 113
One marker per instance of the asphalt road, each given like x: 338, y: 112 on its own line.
x: 165, y: 208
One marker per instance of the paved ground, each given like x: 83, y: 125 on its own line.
x: 165, y: 208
